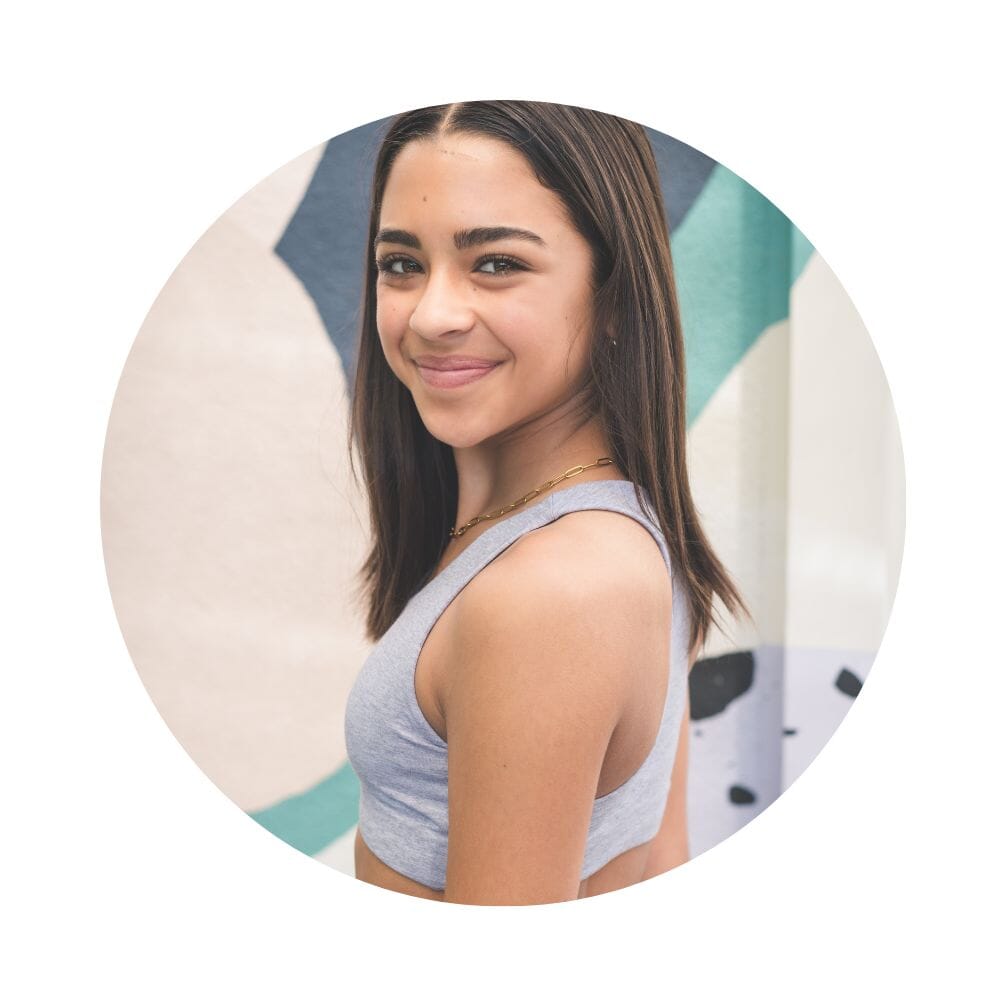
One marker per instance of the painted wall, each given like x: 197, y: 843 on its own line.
x: 233, y: 530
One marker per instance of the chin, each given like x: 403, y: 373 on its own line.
x: 456, y: 437
x: 452, y: 431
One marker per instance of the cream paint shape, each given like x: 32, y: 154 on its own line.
x: 230, y: 527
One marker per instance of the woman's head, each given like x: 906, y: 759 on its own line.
x: 586, y: 184
x: 596, y: 174
x: 480, y: 268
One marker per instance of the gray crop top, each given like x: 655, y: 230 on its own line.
x: 402, y: 763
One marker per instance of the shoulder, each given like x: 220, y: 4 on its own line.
x: 586, y: 593
x: 586, y: 564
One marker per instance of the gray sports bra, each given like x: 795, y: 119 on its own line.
x: 402, y: 763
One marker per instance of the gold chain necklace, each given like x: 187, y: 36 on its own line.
x: 568, y: 474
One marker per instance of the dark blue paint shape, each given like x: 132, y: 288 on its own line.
x: 683, y: 171
x: 848, y: 682
x: 741, y: 796
x: 718, y: 680
x: 324, y: 242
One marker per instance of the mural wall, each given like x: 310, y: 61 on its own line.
x: 233, y: 530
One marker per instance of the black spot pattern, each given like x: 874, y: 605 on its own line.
x: 741, y: 796
x: 718, y: 680
x: 848, y: 682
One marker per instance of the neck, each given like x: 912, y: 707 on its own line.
x: 498, y: 472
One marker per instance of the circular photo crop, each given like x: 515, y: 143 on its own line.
x: 503, y: 503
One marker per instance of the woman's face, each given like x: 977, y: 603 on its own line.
x: 481, y: 272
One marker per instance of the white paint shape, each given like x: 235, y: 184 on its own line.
x: 340, y: 854
x: 846, y: 483
x: 737, y: 454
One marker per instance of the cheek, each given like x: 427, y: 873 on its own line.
x: 546, y: 337
x: 389, y: 322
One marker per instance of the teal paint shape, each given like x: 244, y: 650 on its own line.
x: 317, y: 817
x: 735, y: 258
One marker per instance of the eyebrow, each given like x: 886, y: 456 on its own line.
x: 464, y: 238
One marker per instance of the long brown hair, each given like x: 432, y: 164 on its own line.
x: 604, y: 170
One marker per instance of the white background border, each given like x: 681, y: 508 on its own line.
x: 130, y: 129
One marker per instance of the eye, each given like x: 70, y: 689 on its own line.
x: 396, y: 264
x: 499, y: 265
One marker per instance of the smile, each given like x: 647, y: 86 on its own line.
x: 454, y: 378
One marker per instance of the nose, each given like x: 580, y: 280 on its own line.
x: 443, y: 306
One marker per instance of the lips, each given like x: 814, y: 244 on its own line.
x: 453, y: 371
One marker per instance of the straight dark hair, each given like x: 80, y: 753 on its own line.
x: 604, y: 171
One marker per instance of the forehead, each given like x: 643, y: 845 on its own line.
x: 469, y: 176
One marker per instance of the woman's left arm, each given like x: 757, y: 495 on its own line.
x: 537, y: 678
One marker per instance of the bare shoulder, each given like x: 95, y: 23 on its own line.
x: 590, y: 587
x: 588, y: 561
x: 616, y: 544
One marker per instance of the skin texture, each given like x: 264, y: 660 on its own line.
x: 547, y: 674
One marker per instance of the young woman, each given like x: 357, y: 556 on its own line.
x: 538, y: 583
